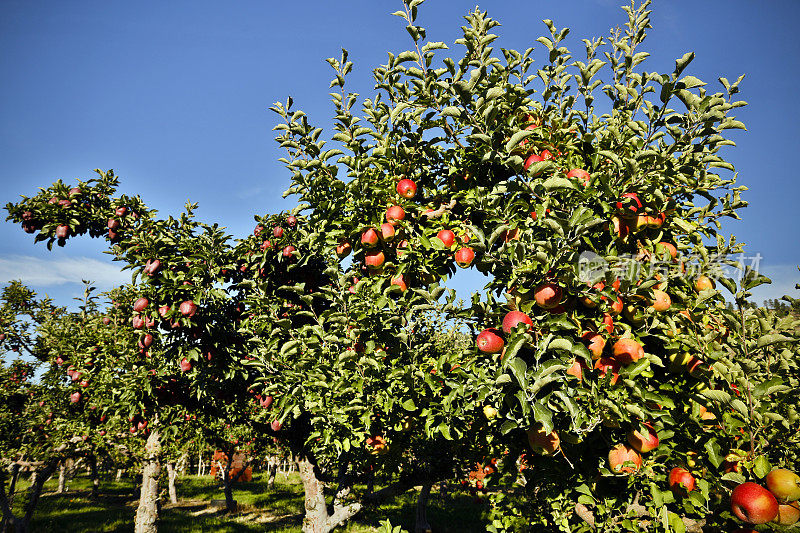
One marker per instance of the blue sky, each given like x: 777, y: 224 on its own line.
x: 174, y: 95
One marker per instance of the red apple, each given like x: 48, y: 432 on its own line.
x: 277, y: 232
x: 513, y: 318
x: 533, y: 158
x: 343, y: 249
x: 140, y: 304
x: 113, y: 224
x: 400, y: 282
x: 464, y: 257
x: 547, y: 295
x: 681, y: 481
x: 395, y: 214
x: 275, y: 425
x: 581, y: 175
x: 288, y: 251
x: 75, y: 397
x: 628, y: 351
x: 643, y: 443
x: 595, y: 342
x: 387, y: 232
x: 188, y: 308
x: 185, y: 365
x: 621, y: 454
x: 406, y: 188
x: 370, y: 238
x: 490, y: 341
x: 291, y: 221
x: 120, y: 211
x: 266, y: 402
x: 606, y: 365
x: 62, y: 231
x: 447, y: 237
x: 753, y: 504
x: 374, y: 259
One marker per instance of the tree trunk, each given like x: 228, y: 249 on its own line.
x: 94, y: 476
x: 422, y: 525
x: 316, y: 519
x: 147, y: 512
x: 272, y: 470
x: 173, y: 494
x: 119, y: 474
x: 62, y: 477
x: 13, y: 485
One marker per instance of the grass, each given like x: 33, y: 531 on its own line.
x: 279, y: 510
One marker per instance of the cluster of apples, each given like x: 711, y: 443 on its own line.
x: 627, y: 458
x: 387, y: 233
x: 755, y: 504
x: 632, y: 216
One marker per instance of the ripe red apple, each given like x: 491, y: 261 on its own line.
x: 266, y: 245
x: 606, y: 365
x: 387, y: 232
x: 275, y: 425
x: 546, y: 155
x: 137, y: 322
x: 406, y: 188
x: 277, y: 232
x: 266, y: 402
x: 541, y: 442
x: 447, y: 237
x: 464, y: 257
x: 784, y: 484
x: 513, y: 318
x: 395, y: 214
x: 374, y: 259
x: 84, y: 383
x: 163, y: 310
x: 576, y: 369
x: 258, y: 229
x: 120, y: 211
x: 75, y: 397
x: 661, y: 301
x: 140, y: 304
x: 151, y: 267
x: 621, y: 454
x: 370, y: 238
x: 288, y: 251
x: 146, y: 341
x: 185, y: 365
x: 113, y: 224
x: 188, y: 308
x: 753, y: 503
x: 490, y: 341
x: 533, y: 158
x: 681, y: 481
x: 629, y: 204
x: 400, y: 282
x: 595, y: 342
x: 547, y: 295
x: 643, y: 443
x: 628, y: 351
x: 106, y: 320
x: 62, y: 231
x: 581, y: 175
x: 343, y: 249
x: 291, y: 221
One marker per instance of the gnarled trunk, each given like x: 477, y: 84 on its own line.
x: 316, y: 519
x: 147, y: 513
x: 173, y: 494
x: 22, y: 524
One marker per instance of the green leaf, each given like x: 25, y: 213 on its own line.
x: 772, y: 338
x: 553, y: 183
x: 761, y: 466
x: 714, y: 452
x: 409, y: 405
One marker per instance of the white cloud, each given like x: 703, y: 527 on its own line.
x: 52, y: 272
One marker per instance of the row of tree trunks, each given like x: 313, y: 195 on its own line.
x: 12, y: 523
x: 171, y: 473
